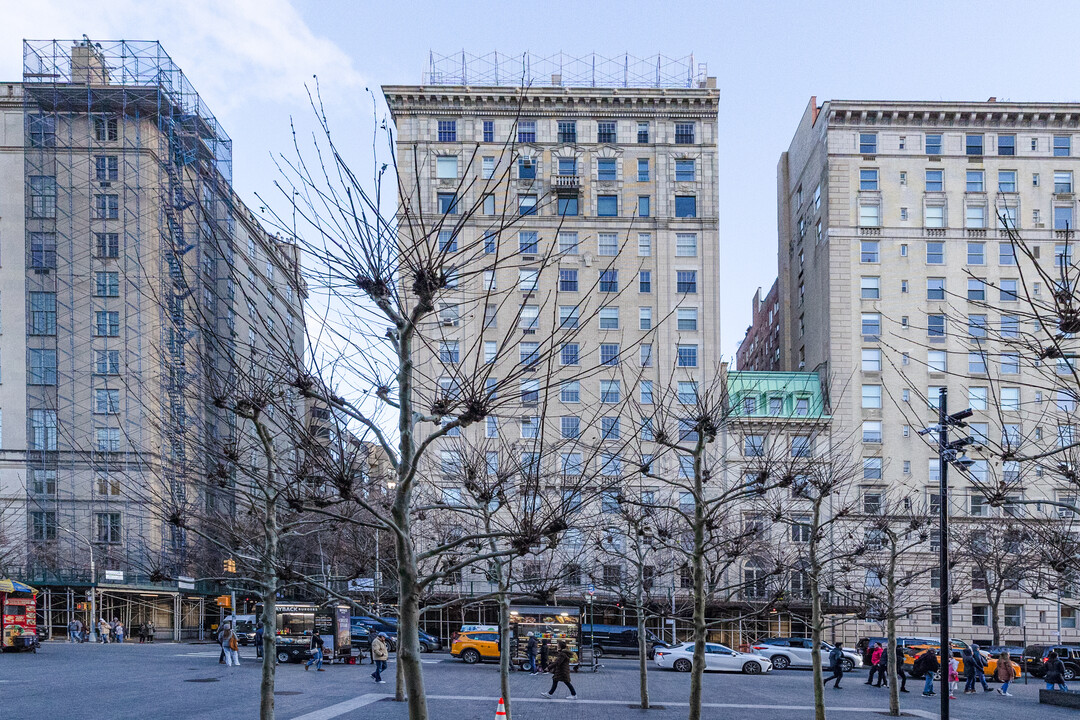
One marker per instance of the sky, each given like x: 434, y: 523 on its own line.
x: 254, y: 60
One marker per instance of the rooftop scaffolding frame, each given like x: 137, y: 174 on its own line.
x: 563, y: 70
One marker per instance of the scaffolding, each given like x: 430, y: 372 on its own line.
x: 128, y: 192
x: 563, y: 70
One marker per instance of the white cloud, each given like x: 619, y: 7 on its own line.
x: 233, y: 51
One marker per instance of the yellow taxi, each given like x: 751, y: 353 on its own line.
x: 913, y: 651
x: 472, y: 646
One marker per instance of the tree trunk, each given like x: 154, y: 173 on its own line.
x: 643, y: 649
x: 506, y: 650
x: 269, y: 613
x: 698, y: 562
x: 815, y: 614
x: 890, y: 632
x: 994, y: 624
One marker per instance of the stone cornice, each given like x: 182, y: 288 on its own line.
x: 405, y: 100
x: 1004, y: 115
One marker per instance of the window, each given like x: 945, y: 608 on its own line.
x: 526, y: 205
x: 645, y: 355
x: 871, y: 431
x: 870, y: 251
x: 975, y: 216
x: 871, y: 326
x: 871, y: 397
x: 685, y: 171
x: 106, y: 402
x: 529, y: 353
x: 1063, y: 218
x: 684, y: 133
x: 974, y: 181
x: 489, y: 130
x: 686, y: 355
x: 42, y: 429
x: 610, y: 390
x: 107, y: 245
x: 977, y: 326
x: 802, y: 446
x: 568, y: 316
x: 1008, y: 290
x: 687, y: 392
x: 447, y: 203
x: 448, y: 131
x: 448, y: 352
x: 872, y: 498
x: 528, y: 280
x: 1062, y: 181
x: 686, y: 281
x: 570, y: 392
x: 935, y: 288
x: 106, y: 207
x: 869, y: 215
x: 976, y: 363
x: 645, y: 281
x: 685, y: 206
x: 868, y: 179
x: 754, y: 446
x: 1006, y: 145
x: 607, y: 205
x: 42, y: 525
x: 976, y: 253
x: 1014, y: 614
x: 871, y: 360
x: 42, y: 196
x: 643, y: 133
x: 643, y: 206
x: 107, y: 439
x: 1062, y: 146
x: 605, y: 169
x: 870, y: 288
x: 644, y: 244
x: 643, y: 169
x: 976, y: 289
x: 42, y: 313
x: 106, y: 168
x: 1010, y: 399
x: 645, y: 318
x: 609, y: 281
x: 1006, y: 254
x: 526, y: 168
x: 973, y: 144
x: 446, y: 167
x: 686, y: 319
x: 646, y: 392
x: 605, y: 132
x: 569, y: 354
x: 487, y: 165
x: 1062, y: 256
x: 107, y: 362
x: 609, y: 430
x: 609, y: 354
x: 935, y: 326
x: 934, y: 216
x: 977, y: 397
x: 1006, y: 181
x: 447, y: 241
x: 935, y: 253
x: 42, y: 369
x: 609, y: 318
x: 686, y: 245
x: 868, y: 143
x: 106, y: 323
x: 526, y: 131
x: 933, y: 144
x: 567, y: 131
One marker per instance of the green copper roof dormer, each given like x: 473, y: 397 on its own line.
x: 763, y: 394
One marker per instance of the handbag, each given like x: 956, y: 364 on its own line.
x: 232, y: 643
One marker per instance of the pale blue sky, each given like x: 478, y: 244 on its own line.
x: 250, y: 58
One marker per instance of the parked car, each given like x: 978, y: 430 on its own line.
x: 785, y: 652
x: 388, y: 626
x: 865, y: 646
x: 717, y: 657
x: 619, y: 640
x: 1035, y: 655
x: 476, y: 645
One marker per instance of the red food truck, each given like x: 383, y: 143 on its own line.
x: 18, y: 619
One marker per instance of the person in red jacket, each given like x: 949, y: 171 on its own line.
x: 875, y: 668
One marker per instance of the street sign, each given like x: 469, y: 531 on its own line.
x: 362, y: 585
x: 114, y: 575
x: 185, y: 583
x: 592, y: 589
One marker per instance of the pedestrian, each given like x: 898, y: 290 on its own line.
x: 140, y: 631
x: 883, y: 667
x: 112, y: 629
x: 875, y: 658
x: 71, y: 632
x: 79, y: 631
x: 1054, y: 672
x: 103, y: 631
x: 560, y: 672
x: 969, y: 671
x: 150, y: 631
x: 900, y: 654
x: 230, y: 646
x: 544, y: 655
x: 836, y: 664
x: 259, y: 640
x: 316, y: 652
x: 1004, y: 673
x: 530, y: 651
x: 954, y: 676
x: 379, y: 655
x: 119, y: 631
x: 980, y: 667
x: 928, y: 665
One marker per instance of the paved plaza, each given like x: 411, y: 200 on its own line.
x: 185, y: 681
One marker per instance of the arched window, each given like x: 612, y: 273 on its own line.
x: 754, y: 576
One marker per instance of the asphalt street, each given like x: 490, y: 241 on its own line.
x: 168, y: 681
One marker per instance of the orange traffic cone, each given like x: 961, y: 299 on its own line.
x: 500, y: 712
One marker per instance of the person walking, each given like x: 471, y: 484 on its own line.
x: 980, y: 667
x: 230, y: 646
x: 150, y: 632
x: 1004, y: 673
x: 928, y: 665
x: 379, y: 655
x: 900, y: 674
x: 875, y: 658
x: 883, y: 669
x: 140, y: 630
x: 836, y: 664
x: 969, y: 671
x: 544, y: 655
x: 71, y: 631
x: 954, y: 676
x: 560, y: 672
x: 530, y: 652
x: 119, y: 631
x: 258, y: 640
x: 103, y: 631
x: 112, y: 629
x: 1054, y: 672
x: 317, y: 653
x: 78, y: 631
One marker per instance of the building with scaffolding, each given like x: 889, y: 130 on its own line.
x: 144, y: 277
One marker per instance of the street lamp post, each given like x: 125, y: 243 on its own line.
x: 93, y: 583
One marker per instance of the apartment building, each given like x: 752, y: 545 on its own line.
x: 892, y: 246
x: 143, y: 285
x: 760, y: 347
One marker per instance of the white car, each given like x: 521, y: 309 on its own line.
x: 717, y: 657
x: 785, y: 652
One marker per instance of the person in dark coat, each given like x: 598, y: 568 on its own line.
x: 836, y: 664
x: 1054, y: 672
x: 928, y: 665
x: 560, y: 672
x: 259, y: 641
x: 969, y: 671
x: 980, y: 667
x: 530, y: 652
x: 544, y: 655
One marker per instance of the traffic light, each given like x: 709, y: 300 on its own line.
x: 230, y: 565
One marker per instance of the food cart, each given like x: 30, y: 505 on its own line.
x: 297, y: 622
x: 18, y: 616
x: 547, y: 623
